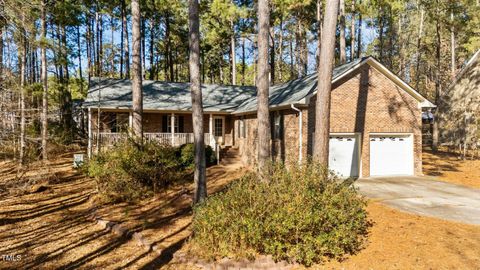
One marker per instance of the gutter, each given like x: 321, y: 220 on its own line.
x: 300, y: 132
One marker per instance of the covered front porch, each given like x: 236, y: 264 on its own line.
x: 107, y: 127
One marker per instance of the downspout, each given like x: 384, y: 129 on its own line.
x: 300, y: 132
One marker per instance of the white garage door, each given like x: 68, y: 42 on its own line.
x: 391, y: 155
x: 344, y: 155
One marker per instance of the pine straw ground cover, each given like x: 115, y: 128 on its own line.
x: 54, y: 229
x: 451, y: 168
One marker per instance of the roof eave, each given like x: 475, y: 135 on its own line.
x: 288, y: 105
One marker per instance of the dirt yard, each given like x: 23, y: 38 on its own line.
x: 55, y: 226
x: 450, y: 168
x: 403, y: 241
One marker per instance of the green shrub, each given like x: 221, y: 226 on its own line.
x: 187, y: 155
x: 128, y: 173
x: 303, y: 214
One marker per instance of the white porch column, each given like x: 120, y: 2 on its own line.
x: 172, y: 124
x: 130, y: 122
x: 210, y: 129
x: 130, y: 119
x: 89, y: 151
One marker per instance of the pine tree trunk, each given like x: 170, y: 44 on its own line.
x: 272, y: 56
x: 93, y: 47
x: 291, y: 59
x: 79, y: 45
x: 137, y: 95
x: 152, y: 42
x: 280, y: 52
x: 302, y: 52
x: 419, y: 48
x: 89, y: 50
x: 359, y: 37
x: 233, y: 55
x: 43, y: 55
x: 122, y: 33
x: 126, y: 44
x: 200, y: 192
x: 23, y: 60
x: 401, y: 55
x: 322, y: 113
x: 1, y: 52
x: 112, y: 47
x: 243, y: 61
x: 97, y: 43
x: 65, y: 53
x: 319, y: 30
x: 343, y: 44
x: 352, y: 33
x: 142, y: 36
x: 437, y: 83
x: 100, y: 45
x: 452, y: 46
x: 381, y: 32
x: 168, y: 48
x: 263, y: 116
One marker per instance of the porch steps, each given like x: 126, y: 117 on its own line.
x: 229, y: 156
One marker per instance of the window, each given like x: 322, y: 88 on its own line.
x: 218, y: 127
x: 241, y: 133
x: 244, y: 128
x: 167, y: 124
x: 121, y: 122
x: 277, y: 126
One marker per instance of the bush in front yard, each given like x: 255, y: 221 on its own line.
x: 128, y: 173
x: 303, y: 214
x: 187, y: 155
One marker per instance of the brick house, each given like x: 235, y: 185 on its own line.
x: 459, y: 107
x: 375, y: 118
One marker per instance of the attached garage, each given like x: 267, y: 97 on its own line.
x: 391, y: 154
x: 344, y: 154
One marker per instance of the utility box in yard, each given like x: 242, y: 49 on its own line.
x: 78, y: 160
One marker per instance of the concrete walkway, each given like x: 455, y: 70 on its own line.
x: 425, y: 196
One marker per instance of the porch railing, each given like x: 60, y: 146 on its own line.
x: 108, y: 139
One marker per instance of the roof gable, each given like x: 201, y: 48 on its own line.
x: 474, y: 59
x: 295, y: 91
x: 423, y: 102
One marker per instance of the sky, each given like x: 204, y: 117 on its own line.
x: 368, y: 35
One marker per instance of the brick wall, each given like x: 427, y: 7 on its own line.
x: 368, y: 102
x: 456, y: 105
x: 286, y: 149
x: 364, y: 102
x: 247, y: 146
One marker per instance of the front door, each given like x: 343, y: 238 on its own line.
x: 219, y: 129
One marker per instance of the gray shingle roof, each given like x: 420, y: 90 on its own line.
x: 116, y: 93
x: 157, y: 95
x: 294, y: 91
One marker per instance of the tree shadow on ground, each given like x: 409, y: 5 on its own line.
x: 56, y: 229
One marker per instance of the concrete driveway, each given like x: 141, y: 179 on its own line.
x: 425, y: 196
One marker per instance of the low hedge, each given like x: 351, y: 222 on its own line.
x: 187, y: 155
x: 303, y: 214
x: 128, y: 172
